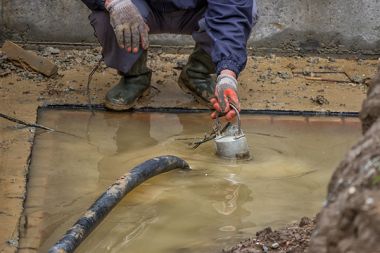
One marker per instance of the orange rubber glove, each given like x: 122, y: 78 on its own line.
x: 225, y: 95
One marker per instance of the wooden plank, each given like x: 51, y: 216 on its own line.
x: 29, y: 58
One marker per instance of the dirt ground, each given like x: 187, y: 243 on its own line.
x: 272, y: 82
x: 294, y: 238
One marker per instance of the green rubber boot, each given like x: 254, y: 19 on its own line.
x: 131, y: 87
x: 195, y: 78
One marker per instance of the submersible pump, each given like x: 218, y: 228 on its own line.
x: 231, y: 143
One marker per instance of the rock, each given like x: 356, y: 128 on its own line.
x: 52, y: 50
x: 306, y: 72
x: 360, y: 61
x: 304, y: 221
x: 358, y: 79
x: 265, y: 231
x: 267, y: 75
x: 330, y: 59
x: 371, y: 106
x: 291, y: 66
x: 320, y: 100
x: 350, y: 220
x: 313, y: 60
x: 180, y: 65
x: 275, y: 245
x: 284, y: 75
x: 13, y: 242
x: 3, y: 57
x: 4, y: 72
x: 274, y: 81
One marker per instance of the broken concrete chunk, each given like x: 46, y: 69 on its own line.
x: 32, y: 60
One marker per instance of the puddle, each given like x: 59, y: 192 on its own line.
x: 215, y: 205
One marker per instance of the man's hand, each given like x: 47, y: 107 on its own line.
x: 225, y: 95
x: 128, y: 24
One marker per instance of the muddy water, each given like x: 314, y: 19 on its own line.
x: 215, y: 205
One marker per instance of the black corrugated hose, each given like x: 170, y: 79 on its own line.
x: 104, y: 204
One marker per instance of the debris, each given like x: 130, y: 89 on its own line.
x: 3, y: 57
x: 291, y: 66
x: 24, y: 123
x: 4, y: 72
x: 180, y: 65
x: 331, y: 68
x: 330, y: 59
x: 292, y: 238
x: 32, y: 60
x: 274, y: 81
x: 267, y: 75
x: 360, y: 61
x: 313, y: 60
x: 315, y: 76
x: 327, y: 80
x: 52, y: 50
x: 284, y: 75
x: 275, y: 245
x: 320, y: 100
x: 305, y: 221
x: 358, y: 79
x: 13, y: 242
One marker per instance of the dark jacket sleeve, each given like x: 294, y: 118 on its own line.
x: 229, y: 24
x: 94, y: 4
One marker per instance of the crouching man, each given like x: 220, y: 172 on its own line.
x: 220, y: 29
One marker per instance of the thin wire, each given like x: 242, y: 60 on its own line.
x: 89, y: 84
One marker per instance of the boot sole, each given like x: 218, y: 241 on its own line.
x: 123, y: 107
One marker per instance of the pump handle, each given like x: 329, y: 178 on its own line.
x: 238, y: 117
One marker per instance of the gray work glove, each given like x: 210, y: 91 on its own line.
x: 128, y: 24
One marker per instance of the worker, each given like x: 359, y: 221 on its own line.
x: 220, y: 29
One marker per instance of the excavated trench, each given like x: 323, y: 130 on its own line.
x: 217, y: 204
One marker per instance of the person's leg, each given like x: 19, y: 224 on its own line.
x: 135, y: 75
x: 131, y: 86
x: 195, y: 77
